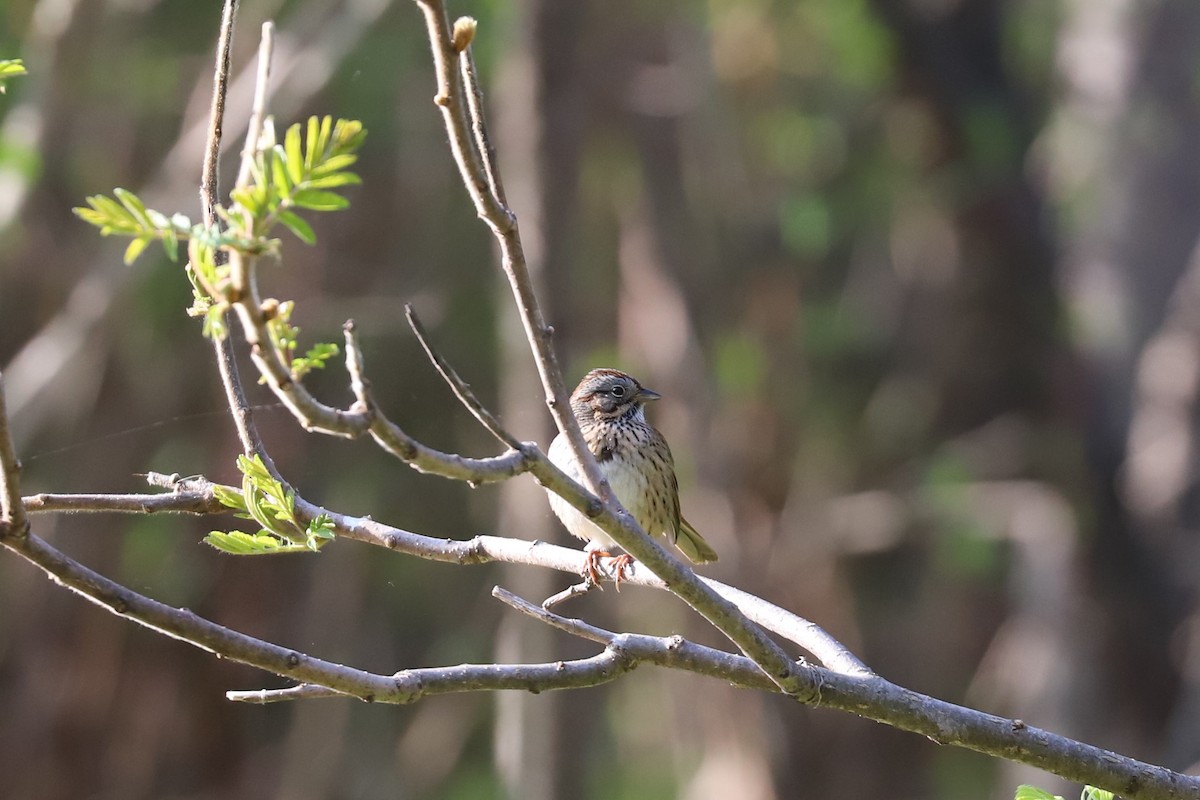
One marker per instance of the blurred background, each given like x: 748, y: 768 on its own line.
x: 918, y: 280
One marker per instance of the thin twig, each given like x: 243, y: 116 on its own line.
x: 461, y: 389
x: 303, y: 691
x: 464, y: 133
x: 474, y: 94
x: 867, y: 695
x: 356, y: 368
x: 184, y: 502
x: 258, y: 108
x: 574, y: 590
x: 235, y: 393
x: 12, y: 510
x: 209, y: 176
x: 467, y: 128
x: 196, y: 496
x: 575, y: 627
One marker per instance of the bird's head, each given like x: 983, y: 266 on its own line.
x: 607, y: 395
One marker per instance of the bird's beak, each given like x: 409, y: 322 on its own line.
x: 648, y: 394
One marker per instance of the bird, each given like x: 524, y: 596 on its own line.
x: 610, y: 407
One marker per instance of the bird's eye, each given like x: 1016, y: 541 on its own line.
x: 618, y: 391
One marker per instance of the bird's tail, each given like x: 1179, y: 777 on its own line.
x: 692, y: 544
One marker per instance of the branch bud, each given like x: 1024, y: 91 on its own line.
x: 464, y: 33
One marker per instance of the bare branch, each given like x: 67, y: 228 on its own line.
x: 462, y: 390
x: 303, y: 691
x: 184, y: 502
x: 12, y: 511
x: 235, y: 394
x: 466, y: 127
x: 480, y: 178
x: 356, y: 367
x: 196, y: 496
x: 216, y: 118
x: 188, y: 627
x: 575, y: 627
x: 258, y: 108
x: 574, y: 590
x: 871, y: 696
x: 474, y: 93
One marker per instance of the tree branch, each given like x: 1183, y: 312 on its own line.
x: 872, y: 697
x: 461, y: 389
x: 465, y: 124
x: 182, y: 502
x: 231, y: 380
x: 12, y: 510
x: 258, y: 107
x: 480, y: 178
x: 196, y: 496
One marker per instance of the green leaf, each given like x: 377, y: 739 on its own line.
x: 230, y: 498
x: 171, y: 245
x: 135, y: 249
x: 312, y: 143
x: 315, y: 358
x: 248, y: 199
x: 319, y: 532
x: 1092, y: 793
x: 348, y: 135
x: 214, y: 323
x: 319, y: 200
x: 266, y: 500
x: 134, y: 205
x: 279, y: 174
x: 298, y: 226
x: 1027, y: 792
x: 244, y: 544
x: 253, y: 468
x: 334, y: 164
x: 295, y: 159
x: 333, y: 181
x: 10, y: 68
x: 320, y: 148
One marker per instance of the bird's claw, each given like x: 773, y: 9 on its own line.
x: 593, y: 574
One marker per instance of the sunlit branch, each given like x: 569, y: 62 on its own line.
x: 196, y: 496
x: 185, y: 502
x: 461, y: 388
x: 258, y: 107
x: 235, y: 394
x: 462, y: 114
x: 12, y: 510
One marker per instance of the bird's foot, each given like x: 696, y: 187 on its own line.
x: 619, y: 565
x: 591, y: 568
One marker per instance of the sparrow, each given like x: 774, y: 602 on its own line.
x: 610, y: 407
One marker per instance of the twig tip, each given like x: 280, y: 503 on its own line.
x: 464, y: 33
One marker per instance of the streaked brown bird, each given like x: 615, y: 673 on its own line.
x: 610, y: 407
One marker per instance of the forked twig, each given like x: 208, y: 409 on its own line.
x: 470, y: 144
x: 461, y: 389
